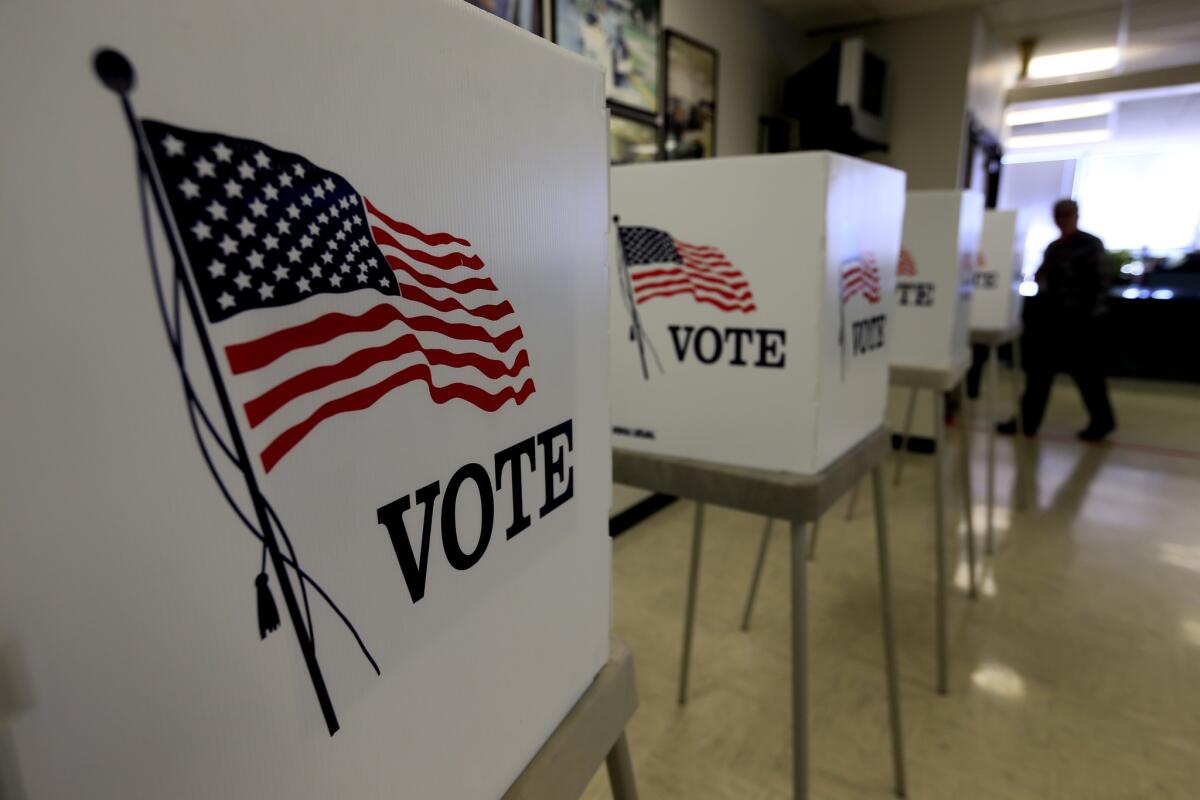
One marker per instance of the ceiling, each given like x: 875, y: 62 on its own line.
x: 1060, y: 25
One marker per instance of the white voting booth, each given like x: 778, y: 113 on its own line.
x: 934, y: 291
x: 750, y: 325
x: 749, y: 307
x: 996, y: 302
x: 305, y: 457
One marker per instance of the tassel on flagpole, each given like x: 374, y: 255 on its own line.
x: 268, y: 613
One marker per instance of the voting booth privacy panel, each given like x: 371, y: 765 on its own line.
x: 305, y: 454
x: 750, y: 304
x: 934, y: 277
x: 996, y: 302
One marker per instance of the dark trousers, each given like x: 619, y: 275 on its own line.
x: 1076, y: 349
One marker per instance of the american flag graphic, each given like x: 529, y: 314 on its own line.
x: 662, y: 266
x: 320, y: 302
x: 906, y: 267
x: 860, y: 277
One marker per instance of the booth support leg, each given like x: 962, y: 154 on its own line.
x: 939, y: 519
x: 889, y: 640
x: 758, y: 568
x: 799, y: 568
x: 689, y: 619
x: 620, y: 770
x: 853, y: 502
x: 993, y: 393
x: 812, y: 539
x: 1022, y: 495
x: 904, y: 436
x: 964, y: 469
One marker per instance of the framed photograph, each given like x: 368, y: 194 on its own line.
x: 631, y: 140
x: 690, y: 125
x: 525, y: 13
x: 622, y: 36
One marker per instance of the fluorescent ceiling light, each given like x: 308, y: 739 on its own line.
x: 1032, y: 116
x: 1059, y: 139
x: 1073, y: 63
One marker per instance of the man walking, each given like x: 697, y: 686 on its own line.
x: 1061, y: 328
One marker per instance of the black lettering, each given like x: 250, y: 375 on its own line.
x: 902, y: 290
x: 770, y: 344
x: 680, y: 348
x: 716, y: 349
x: 391, y: 516
x: 925, y: 294
x: 553, y: 467
x: 739, y: 336
x: 487, y: 512
x: 512, y: 455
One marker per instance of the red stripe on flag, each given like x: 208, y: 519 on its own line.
x: 700, y: 298
x: 650, y: 287
x: 266, y: 404
x: 448, y: 261
x: 433, y: 282
x: 404, y: 229
x: 258, y: 353
x: 643, y: 275
x: 365, y: 398
x: 491, y: 312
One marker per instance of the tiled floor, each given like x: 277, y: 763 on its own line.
x: 1075, y: 675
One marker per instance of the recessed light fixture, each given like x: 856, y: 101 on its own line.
x: 1075, y: 62
x: 1062, y: 139
x: 1032, y: 116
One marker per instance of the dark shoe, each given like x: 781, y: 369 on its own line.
x: 1007, y: 428
x: 1096, y: 433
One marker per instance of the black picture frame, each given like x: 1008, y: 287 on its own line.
x: 641, y: 93
x: 527, y: 15
x: 689, y: 128
x: 627, y: 131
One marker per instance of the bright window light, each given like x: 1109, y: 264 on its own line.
x: 1062, y: 139
x: 1074, y: 63
x: 1162, y: 294
x: 1032, y: 116
x: 1131, y: 293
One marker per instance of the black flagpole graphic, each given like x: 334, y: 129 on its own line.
x: 116, y: 73
x: 627, y: 285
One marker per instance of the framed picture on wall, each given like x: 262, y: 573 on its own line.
x: 690, y: 125
x: 525, y: 13
x: 620, y: 35
x: 631, y: 139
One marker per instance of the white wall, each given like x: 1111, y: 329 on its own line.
x: 756, y: 51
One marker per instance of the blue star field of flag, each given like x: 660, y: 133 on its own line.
x: 261, y: 227
x: 642, y: 245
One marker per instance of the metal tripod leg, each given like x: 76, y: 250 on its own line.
x: 758, y: 568
x: 799, y: 567
x: 964, y: 470
x: 853, y: 502
x: 908, y: 423
x: 993, y: 392
x: 620, y: 770
x: 689, y: 618
x: 939, y: 511
x: 889, y: 641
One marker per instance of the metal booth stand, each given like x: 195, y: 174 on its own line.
x: 800, y: 499
x: 993, y: 339
x: 591, y: 733
x: 937, y: 382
